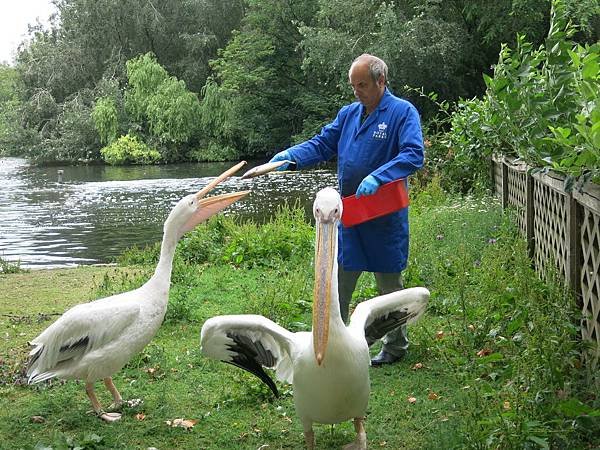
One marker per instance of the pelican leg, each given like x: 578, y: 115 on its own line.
x: 117, y: 399
x: 107, y: 417
x: 309, y: 435
x: 360, y: 443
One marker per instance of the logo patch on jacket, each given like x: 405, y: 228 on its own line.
x: 380, y: 132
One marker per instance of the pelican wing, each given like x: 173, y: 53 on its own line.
x: 380, y: 315
x: 250, y: 342
x: 83, y: 328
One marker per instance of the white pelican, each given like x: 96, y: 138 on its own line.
x: 328, y: 368
x: 92, y: 341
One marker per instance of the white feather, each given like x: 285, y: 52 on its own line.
x: 279, y: 341
x: 413, y: 300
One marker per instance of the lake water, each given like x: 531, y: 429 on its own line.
x: 90, y: 214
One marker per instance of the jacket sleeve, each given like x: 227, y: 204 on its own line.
x: 410, y: 153
x: 321, y: 147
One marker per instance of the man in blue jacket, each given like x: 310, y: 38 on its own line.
x: 377, y: 139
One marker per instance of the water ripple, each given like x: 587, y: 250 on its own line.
x: 96, y: 212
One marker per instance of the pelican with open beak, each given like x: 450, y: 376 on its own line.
x: 329, y: 367
x: 93, y: 341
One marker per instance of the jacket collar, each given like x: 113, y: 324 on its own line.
x: 382, y: 106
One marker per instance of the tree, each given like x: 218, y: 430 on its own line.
x: 257, y: 78
x: 10, y: 102
x: 88, y: 45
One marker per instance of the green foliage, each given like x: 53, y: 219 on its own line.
x: 145, y: 75
x: 105, y: 119
x: 286, y: 237
x: 279, y: 78
x: 248, y: 104
x: 10, y: 103
x: 70, y: 135
x: 10, y: 267
x: 542, y: 105
x: 129, y: 150
x: 92, y: 41
x: 213, y: 152
x: 163, y: 102
x: 61, y: 441
x: 510, y: 339
x: 173, y: 112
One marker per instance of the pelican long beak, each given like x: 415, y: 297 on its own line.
x: 210, y: 186
x: 209, y: 206
x: 324, y: 254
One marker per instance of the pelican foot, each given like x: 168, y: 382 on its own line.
x: 115, y: 406
x: 118, y: 406
x: 109, y: 417
x: 358, y: 444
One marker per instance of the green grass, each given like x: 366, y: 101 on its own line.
x: 525, y: 390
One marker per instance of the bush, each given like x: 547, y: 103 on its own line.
x: 129, y: 150
x: 213, y: 152
x: 542, y: 105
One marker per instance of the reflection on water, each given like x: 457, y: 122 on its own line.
x: 95, y: 212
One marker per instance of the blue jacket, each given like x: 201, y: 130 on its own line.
x: 389, y: 146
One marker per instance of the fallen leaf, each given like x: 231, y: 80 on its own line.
x: 433, y: 396
x: 140, y: 416
x: 37, y: 419
x: 439, y: 334
x: 412, y: 400
x: 484, y: 352
x: 471, y: 327
x: 417, y: 366
x: 183, y: 423
x: 506, y: 405
x: 382, y: 443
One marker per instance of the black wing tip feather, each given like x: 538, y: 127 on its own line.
x: 249, y: 355
x: 383, y: 325
x: 256, y: 370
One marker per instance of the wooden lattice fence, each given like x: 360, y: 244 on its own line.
x: 562, y: 230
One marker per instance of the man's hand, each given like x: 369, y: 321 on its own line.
x: 282, y: 156
x: 368, y: 186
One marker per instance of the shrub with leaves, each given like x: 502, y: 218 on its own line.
x: 129, y: 150
x: 542, y: 105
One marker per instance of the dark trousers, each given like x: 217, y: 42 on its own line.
x: 396, y: 341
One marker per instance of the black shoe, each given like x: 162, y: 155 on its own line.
x: 383, y: 358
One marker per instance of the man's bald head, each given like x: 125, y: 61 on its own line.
x: 376, y: 66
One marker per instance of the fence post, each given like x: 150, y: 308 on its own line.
x: 504, y: 184
x: 573, y: 245
x: 529, y: 215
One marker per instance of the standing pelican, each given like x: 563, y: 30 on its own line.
x: 328, y: 368
x: 93, y: 341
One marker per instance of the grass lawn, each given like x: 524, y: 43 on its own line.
x: 233, y: 409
